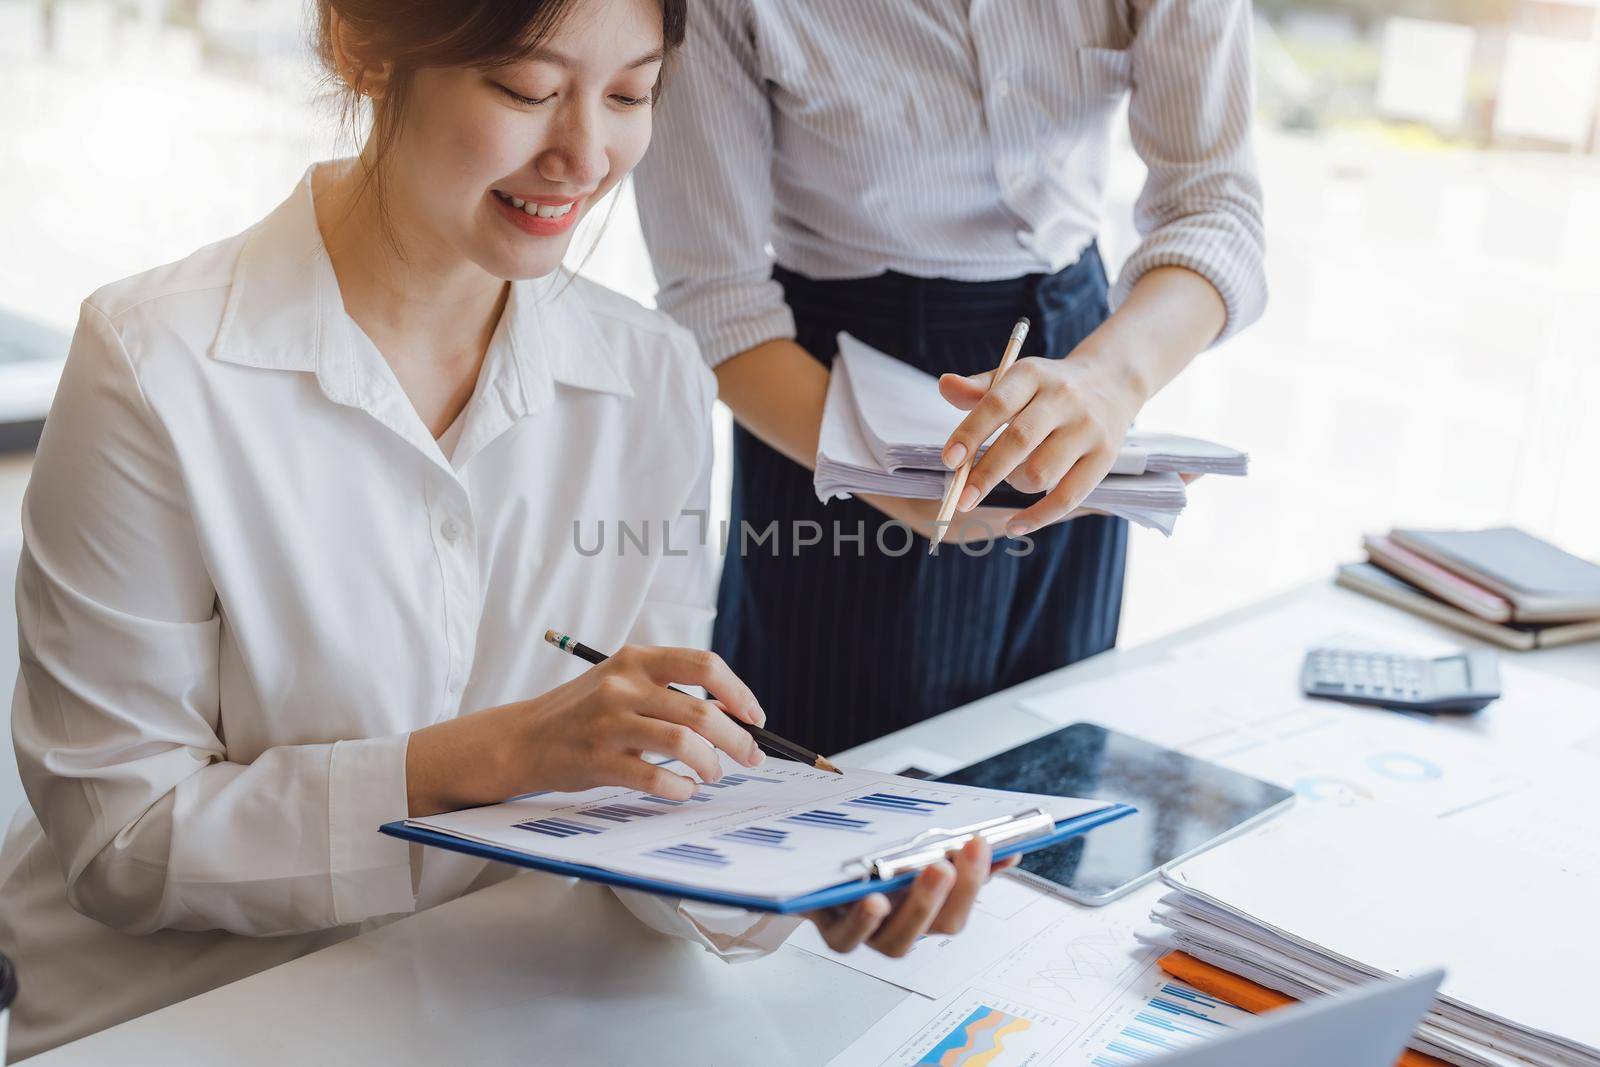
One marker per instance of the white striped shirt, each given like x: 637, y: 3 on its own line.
x: 962, y: 139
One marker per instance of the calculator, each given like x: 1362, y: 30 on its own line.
x: 1462, y: 681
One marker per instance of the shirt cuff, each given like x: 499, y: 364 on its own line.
x: 370, y: 872
x: 1230, y: 260
x: 732, y: 933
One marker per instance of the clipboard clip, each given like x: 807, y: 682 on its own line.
x: 931, y: 845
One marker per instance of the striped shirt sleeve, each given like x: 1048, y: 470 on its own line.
x: 705, y: 188
x: 1189, y: 116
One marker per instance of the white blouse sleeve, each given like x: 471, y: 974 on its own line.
x: 678, y: 611
x: 116, y: 720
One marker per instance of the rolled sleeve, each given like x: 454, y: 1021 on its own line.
x: 1190, y: 117
x: 370, y: 872
x: 705, y: 189
x: 730, y: 316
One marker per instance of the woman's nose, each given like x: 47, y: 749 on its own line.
x: 576, y: 151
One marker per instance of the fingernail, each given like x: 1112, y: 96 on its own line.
x: 761, y: 716
x: 969, y: 499
x: 954, y: 455
x: 1017, y: 529
x: 756, y: 757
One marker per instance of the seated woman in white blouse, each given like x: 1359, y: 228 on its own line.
x: 306, y: 501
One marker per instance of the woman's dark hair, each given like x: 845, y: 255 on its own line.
x: 414, y: 34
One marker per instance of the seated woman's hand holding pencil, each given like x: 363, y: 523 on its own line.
x: 592, y: 731
x: 596, y: 722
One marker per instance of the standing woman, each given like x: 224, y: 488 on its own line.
x: 925, y: 173
x: 304, y: 502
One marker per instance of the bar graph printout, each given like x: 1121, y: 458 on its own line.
x: 780, y: 830
x: 979, y: 1029
x: 1073, y: 989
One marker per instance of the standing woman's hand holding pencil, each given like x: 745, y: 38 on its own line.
x: 592, y: 731
x: 1064, y: 421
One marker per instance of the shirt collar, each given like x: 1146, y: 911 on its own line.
x: 284, y: 312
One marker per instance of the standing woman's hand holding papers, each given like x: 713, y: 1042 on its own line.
x: 1066, y: 419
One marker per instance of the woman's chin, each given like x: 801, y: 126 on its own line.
x: 524, y: 267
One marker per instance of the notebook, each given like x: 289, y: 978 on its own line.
x: 1542, y: 582
x: 1427, y: 575
x: 1369, y: 580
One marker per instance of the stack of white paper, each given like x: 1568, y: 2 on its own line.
x: 1339, y: 895
x: 885, y: 425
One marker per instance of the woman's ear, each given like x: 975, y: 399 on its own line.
x: 362, y: 77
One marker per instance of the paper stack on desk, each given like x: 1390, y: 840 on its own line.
x: 1334, y: 896
x: 885, y: 425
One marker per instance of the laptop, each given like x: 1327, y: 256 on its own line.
x: 1365, y: 1028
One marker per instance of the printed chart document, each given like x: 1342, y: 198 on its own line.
x: 780, y: 831
x: 1077, y: 991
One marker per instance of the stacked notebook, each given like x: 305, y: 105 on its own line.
x: 1334, y: 897
x: 1501, y: 584
x: 885, y: 427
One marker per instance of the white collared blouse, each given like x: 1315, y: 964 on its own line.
x: 249, y: 573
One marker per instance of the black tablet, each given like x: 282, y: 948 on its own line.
x: 1185, y: 806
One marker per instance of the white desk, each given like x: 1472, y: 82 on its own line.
x: 542, y: 970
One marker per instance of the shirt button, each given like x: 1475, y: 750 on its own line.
x: 1002, y: 89
x: 450, y: 529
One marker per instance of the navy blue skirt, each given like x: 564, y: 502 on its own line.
x: 863, y: 632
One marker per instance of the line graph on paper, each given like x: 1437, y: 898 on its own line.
x: 1071, y: 967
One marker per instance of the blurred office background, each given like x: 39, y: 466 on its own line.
x: 1432, y: 170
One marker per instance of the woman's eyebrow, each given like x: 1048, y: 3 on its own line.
x: 559, y: 59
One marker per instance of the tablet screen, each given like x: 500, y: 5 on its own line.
x: 1184, y: 804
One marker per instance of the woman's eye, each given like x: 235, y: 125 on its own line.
x: 526, y: 101
x: 631, y: 101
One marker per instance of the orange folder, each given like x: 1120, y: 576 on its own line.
x: 1243, y: 993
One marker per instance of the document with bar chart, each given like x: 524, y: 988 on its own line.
x: 781, y: 831
x: 1071, y: 987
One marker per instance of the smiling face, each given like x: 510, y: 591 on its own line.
x: 498, y: 166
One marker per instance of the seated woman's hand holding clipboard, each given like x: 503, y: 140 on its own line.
x: 596, y: 729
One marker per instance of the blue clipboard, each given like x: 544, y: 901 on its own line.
x: 843, y: 893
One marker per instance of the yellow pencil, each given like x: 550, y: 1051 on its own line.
x: 952, y: 492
